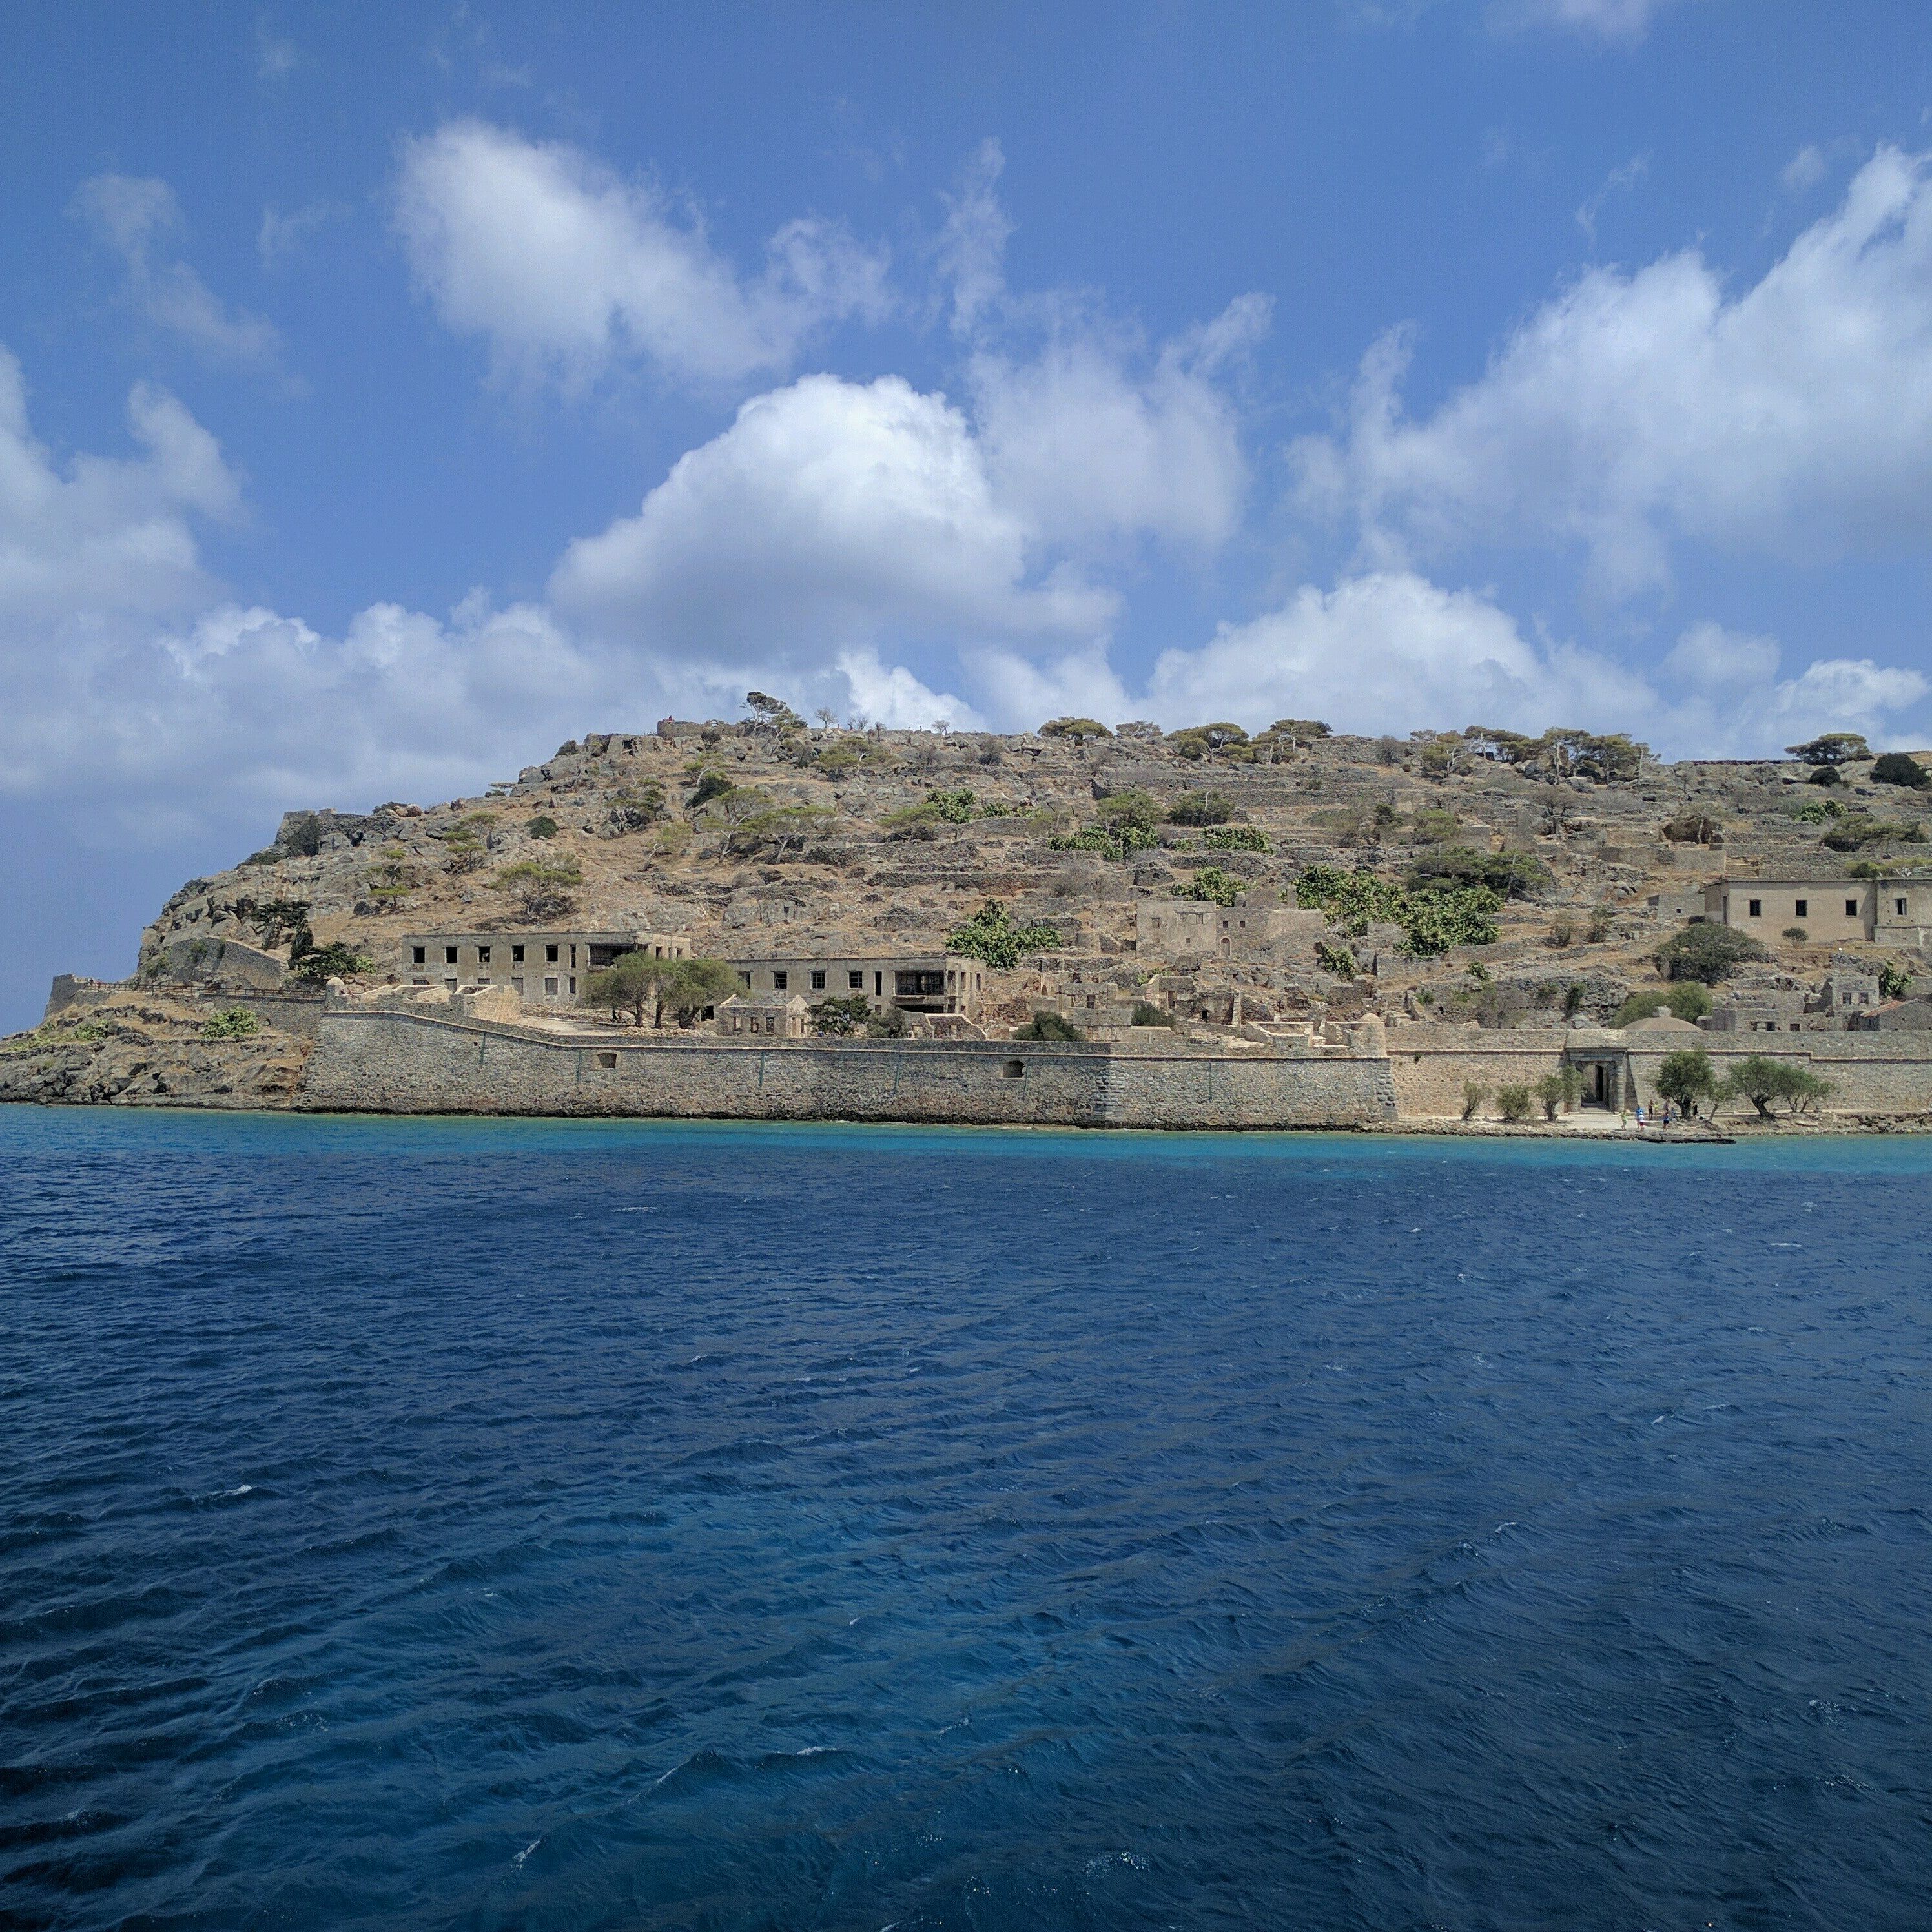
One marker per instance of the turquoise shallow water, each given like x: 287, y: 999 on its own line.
x: 437, y: 1523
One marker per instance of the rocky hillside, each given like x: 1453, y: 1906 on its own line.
x: 765, y: 836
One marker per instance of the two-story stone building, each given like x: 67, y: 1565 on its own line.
x: 1895, y: 911
x: 543, y: 969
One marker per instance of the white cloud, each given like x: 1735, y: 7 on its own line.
x: 972, y: 245
x: 1795, y: 418
x: 1634, y: 171
x: 890, y: 695
x: 110, y: 539
x: 830, y: 516
x: 565, y: 269
x: 1390, y: 651
x: 137, y: 218
x: 1087, y: 449
x: 1625, y: 20
x: 1805, y: 169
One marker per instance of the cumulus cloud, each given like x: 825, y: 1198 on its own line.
x: 139, y: 219
x: 831, y: 516
x: 1390, y: 650
x: 565, y: 268
x: 1086, y: 447
x: 1794, y: 419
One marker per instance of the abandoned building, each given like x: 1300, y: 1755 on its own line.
x: 766, y: 1015
x: 543, y: 969
x: 932, y: 983
x: 1893, y: 911
x: 1187, y: 929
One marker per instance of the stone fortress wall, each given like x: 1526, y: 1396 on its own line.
x: 392, y: 1062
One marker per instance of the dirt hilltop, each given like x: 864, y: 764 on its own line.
x: 765, y: 837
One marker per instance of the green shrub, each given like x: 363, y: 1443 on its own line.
x: 1795, y: 934
x: 1235, y: 838
x: 1687, y: 1000
x: 1894, y: 982
x: 1473, y: 1094
x: 991, y: 937
x: 1553, y: 1093
x: 1708, y: 953
x: 1200, y: 808
x: 1515, y: 875
x: 543, y: 827
x: 842, y: 1016
x: 231, y: 1023
x: 1213, y: 884
x: 1513, y: 1102
x: 1340, y: 960
x: 711, y: 784
x: 1145, y: 1015
x: 1900, y: 768
x: 1048, y: 1026
x: 1074, y: 728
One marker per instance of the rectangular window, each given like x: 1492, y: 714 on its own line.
x: 573, y: 961
x: 818, y: 982
x: 1851, y: 908
x: 449, y: 955
x: 550, y: 985
x: 856, y: 982
x: 573, y: 982
x: 516, y: 955
x: 744, y: 976
x: 878, y: 985
x: 482, y: 955
x: 417, y: 955
x: 549, y: 958
x: 1803, y: 908
x: 1898, y: 906
x: 606, y: 1060
x: 449, y: 985
x: 1757, y: 908
x: 517, y: 983
x: 780, y: 980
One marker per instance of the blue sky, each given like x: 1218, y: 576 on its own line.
x: 386, y: 394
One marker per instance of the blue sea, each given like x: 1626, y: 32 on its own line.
x: 533, y: 1524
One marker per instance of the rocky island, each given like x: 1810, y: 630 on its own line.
x: 1083, y: 925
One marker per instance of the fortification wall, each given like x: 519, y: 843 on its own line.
x: 1874, y: 1074
x: 1430, y: 1065
x: 403, y: 1063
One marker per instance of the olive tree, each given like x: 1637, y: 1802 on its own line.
x: 1687, y: 1079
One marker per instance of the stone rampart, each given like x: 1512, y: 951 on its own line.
x: 387, y: 1062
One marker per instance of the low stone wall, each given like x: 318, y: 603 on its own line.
x: 381, y: 1062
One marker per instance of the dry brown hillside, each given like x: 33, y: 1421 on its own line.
x: 759, y: 838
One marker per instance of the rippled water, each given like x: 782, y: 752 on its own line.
x: 537, y: 1524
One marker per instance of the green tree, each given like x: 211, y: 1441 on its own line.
x: 1146, y: 1015
x: 1338, y: 960
x: 631, y: 982
x: 1688, y: 1079
x: 1708, y: 952
x: 467, y: 840
x: 541, y: 891
x: 1074, y: 728
x: 231, y: 1023
x: 333, y: 962
x: 689, y: 985
x: 839, y: 1017
x: 1833, y: 747
x: 1894, y: 982
x: 1473, y: 1094
x: 1434, y: 921
x: 542, y: 826
x: 1764, y: 1082
x: 991, y: 936
x: 1201, y: 808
